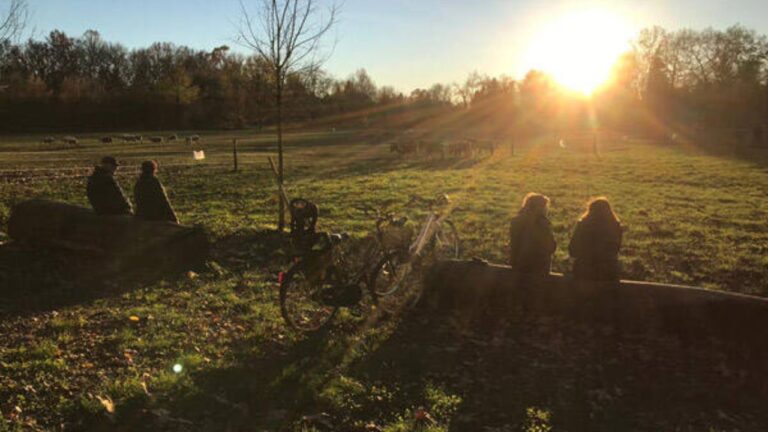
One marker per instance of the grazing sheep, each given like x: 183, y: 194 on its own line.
x: 49, y: 140
x: 106, y: 140
x: 485, y: 146
x: 70, y: 140
x: 193, y: 138
x: 173, y: 137
x: 433, y: 149
x: 402, y: 148
x: 156, y: 139
x: 460, y: 149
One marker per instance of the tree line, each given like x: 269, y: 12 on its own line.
x: 668, y: 80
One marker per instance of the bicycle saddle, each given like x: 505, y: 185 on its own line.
x: 400, y: 221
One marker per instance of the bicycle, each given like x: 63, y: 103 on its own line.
x: 338, y: 272
x: 334, y: 272
x: 437, y: 239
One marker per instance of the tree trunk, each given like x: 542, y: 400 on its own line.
x: 279, y: 102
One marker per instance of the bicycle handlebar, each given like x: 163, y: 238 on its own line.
x: 441, y: 199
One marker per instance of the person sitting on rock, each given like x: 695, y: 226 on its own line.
x: 596, y: 242
x: 104, y: 193
x: 531, y: 242
x: 151, y: 200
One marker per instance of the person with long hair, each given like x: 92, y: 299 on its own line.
x: 531, y: 242
x: 596, y: 242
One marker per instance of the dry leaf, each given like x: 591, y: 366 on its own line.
x: 107, y: 402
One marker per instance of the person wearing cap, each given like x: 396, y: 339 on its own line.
x: 104, y: 193
x: 149, y: 195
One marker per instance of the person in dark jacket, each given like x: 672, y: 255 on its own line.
x: 150, y: 197
x: 104, y: 193
x: 596, y: 242
x: 531, y: 242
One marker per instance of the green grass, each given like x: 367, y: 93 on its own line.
x: 691, y: 217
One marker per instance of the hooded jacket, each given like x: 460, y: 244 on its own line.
x: 105, y: 195
x: 151, y: 200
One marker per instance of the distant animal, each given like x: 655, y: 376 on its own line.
x: 70, y: 140
x: 434, y: 149
x: 49, y: 140
x: 173, y: 137
x: 488, y: 146
x: 132, y: 138
x: 193, y: 138
x: 460, y: 149
x: 404, y: 148
x: 106, y: 140
x: 156, y: 139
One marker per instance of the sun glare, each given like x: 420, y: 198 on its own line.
x: 579, y: 49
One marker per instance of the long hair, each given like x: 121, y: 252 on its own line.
x: 599, y: 210
x: 535, y: 203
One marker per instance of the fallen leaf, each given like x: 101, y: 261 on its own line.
x: 107, y: 403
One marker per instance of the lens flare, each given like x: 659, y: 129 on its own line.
x: 579, y: 49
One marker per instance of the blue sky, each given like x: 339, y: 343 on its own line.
x: 404, y: 43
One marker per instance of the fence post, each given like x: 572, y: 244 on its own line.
x: 234, y: 152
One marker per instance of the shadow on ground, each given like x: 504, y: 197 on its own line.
x: 525, y: 373
x: 34, y: 279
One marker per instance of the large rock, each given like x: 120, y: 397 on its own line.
x: 739, y: 323
x: 123, y: 243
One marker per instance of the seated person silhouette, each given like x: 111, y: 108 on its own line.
x: 104, y: 193
x: 152, y: 202
x: 531, y: 243
x: 596, y: 242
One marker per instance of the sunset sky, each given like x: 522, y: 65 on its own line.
x: 404, y: 43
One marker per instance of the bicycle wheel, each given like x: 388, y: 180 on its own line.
x: 395, y: 284
x: 446, y: 243
x: 302, y: 302
x: 388, y: 275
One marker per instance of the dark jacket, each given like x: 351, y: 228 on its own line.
x: 105, y: 195
x: 595, y: 247
x: 531, y: 244
x: 151, y: 201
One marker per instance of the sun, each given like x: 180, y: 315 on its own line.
x: 579, y: 49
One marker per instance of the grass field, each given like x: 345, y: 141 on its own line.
x: 691, y: 217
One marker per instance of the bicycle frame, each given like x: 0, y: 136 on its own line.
x: 431, y: 223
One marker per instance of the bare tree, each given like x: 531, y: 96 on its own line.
x: 13, y: 18
x: 288, y: 35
